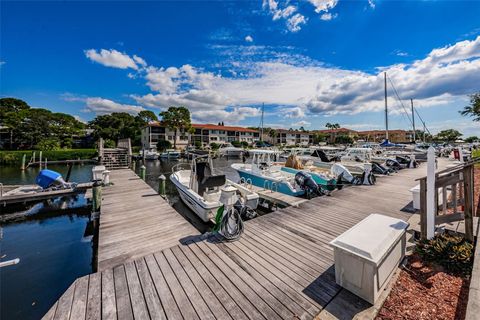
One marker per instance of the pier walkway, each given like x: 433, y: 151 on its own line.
x: 281, y: 268
x: 136, y: 221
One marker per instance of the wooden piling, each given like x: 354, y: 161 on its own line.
x: 143, y: 172
x: 96, y: 196
x: 161, y: 185
x: 24, y: 158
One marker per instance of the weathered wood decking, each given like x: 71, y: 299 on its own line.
x: 136, y: 221
x: 281, y: 268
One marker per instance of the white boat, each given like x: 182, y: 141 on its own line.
x: 170, y: 154
x: 261, y: 173
x: 201, y: 189
x: 150, y: 154
x: 230, y: 151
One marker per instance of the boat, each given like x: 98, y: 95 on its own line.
x: 263, y: 172
x: 230, y: 151
x: 170, y: 154
x: 150, y: 154
x: 201, y: 189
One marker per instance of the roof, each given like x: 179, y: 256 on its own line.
x: 382, y: 131
x: 341, y: 130
x: 293, y: 131
x: 208, y: 126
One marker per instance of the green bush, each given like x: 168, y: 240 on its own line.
x: 476, y: 153
x: 244, y: 144
x: 15, y: 157
x: 452, y: 252
x: 48, y: 144
x: 198, y: 144
x: 236, y: 144
x: 214, y: 146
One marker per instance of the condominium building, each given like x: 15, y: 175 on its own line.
x: 204, y: 133
x: 294, y: 137
x: 397, y: 136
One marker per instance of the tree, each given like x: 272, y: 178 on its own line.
x: 176, y: 118
x: 115, y: 126
x: 471, y: 139
x: 146, y: 116
x: 344, y: 139
x: 48, y: 144
x: 319, y: 137
x: 28, y: 126
x: 473, y: 110
x: 163, y: 145
x: 449, y: 135
x: 301, y: 129
x: 191, y: 131
x: 332, y: 126
x: 272, y: 133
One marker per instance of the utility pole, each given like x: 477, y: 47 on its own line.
x: 386, y: 108
x: 413, y: 122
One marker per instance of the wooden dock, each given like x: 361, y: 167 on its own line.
x: 281, y: 268
x: 277, y: 198
x: 136, y: 221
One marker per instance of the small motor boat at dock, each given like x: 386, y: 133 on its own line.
x: 201, y: 189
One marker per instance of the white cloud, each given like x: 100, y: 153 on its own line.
x: 115, y: 59
x: 294, y: 23
x: 249, y: 38
x: 294, y: 20
x: 106, y: 106
x: 308, y: 88
x: 323, y: 5
x: 2, y: 63
x: 328, y: 16
x: 371, y: 3
x: 302, y: 123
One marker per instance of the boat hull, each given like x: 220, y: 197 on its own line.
x: 266, y: 182
x: 328, y: 184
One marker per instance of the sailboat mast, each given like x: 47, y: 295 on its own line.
x: 386, y: 107
x: 413, y: 122
x: 261, y: 132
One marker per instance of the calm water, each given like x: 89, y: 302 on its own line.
x: 54, y: 239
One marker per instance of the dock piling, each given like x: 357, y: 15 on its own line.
x: 161, y: 185
x: 40, y: 160
x: 24, y: 159
x: 97, y: 196
x: 143, y: 171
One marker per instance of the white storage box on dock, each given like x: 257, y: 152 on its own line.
x: 416, y: 197
x: 97, y: 172
x: 367, y: 254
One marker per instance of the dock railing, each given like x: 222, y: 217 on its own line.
x: 127, y: 145
x: 453, y: 197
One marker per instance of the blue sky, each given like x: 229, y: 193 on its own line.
x: 310, y: 62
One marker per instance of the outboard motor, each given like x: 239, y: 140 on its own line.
x: 413, y: 162
x: 379, y: 169
x: 367, y: 176
x: 320, y: 154
x: 404, y: 161
x: 51, y: 179
x: 306, y: 183
x: 343, y: 175
x: 393, y: 164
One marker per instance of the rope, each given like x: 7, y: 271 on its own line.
x: 231, y: 226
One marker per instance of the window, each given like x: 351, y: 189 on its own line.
x: 213, y: 138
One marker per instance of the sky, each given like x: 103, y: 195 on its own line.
x: 307, y: 62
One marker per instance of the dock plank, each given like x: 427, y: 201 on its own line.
x: 135, y: 221
x: 281, y: 267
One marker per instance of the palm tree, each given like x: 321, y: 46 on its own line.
x: 473, y: 110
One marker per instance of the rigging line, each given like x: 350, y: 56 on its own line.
x: 400, y: 100
x: 421, y: 119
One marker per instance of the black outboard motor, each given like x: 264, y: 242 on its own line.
x: 379, y: 169
x: 306, y: 183
x: 404, y: 161
x: 320, y: 154
x: 393, y: 164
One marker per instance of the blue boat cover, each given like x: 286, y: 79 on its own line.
x: 47, y: 177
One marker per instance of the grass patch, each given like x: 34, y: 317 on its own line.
x: 15, y: 157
